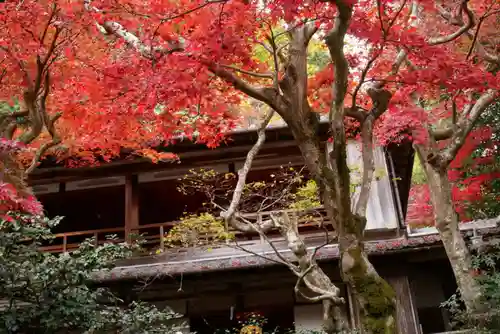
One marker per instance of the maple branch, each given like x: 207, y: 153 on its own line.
x: 254, y: 74
x: 463, y: 29
x: 322, y: 294
x: 442, y: 134
x: 194, y: 9
x: 297, y: 290
x: 403, y: 5
x: 458, y: 21
x: 229, y: 215
x: 281, y: 56
x: 263, y: 94
x: 29, y: 99
x: 476, y: 34
x: 446, y: 133
x: 464, y: 127
x: 49, y: 21
x: 272, y: 41
x: 115, y: 28
x: 377, y: 93
x: 379, y: 15
x: 307, y: 263
x: 56, y: 139
x: 368, y: 165
x: 357, y: 113
x: 363, y: 77
x: 335, y: 43
x: 263, y: 235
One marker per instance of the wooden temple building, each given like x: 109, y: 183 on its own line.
x: 212, y: 286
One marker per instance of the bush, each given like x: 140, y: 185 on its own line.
x: 46, y: 293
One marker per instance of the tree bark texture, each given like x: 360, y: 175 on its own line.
x: 314, y: 278
x: 374, y: 296
x: 447, y: 223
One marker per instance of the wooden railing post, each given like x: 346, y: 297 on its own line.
x: 65, y: 243
x: 162, y: 238
x: 96, y: 239
x: 131, y: 205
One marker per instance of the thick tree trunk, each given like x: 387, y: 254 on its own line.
x: 375, y: 297
x: 446, y: 220
x: 12, y: 172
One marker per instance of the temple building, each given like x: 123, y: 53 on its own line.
x: 214, y: 287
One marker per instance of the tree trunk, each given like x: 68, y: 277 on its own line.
x: 375, y: 297
x: 446, y: 220
x: 334, y: 317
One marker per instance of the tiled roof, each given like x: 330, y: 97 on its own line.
x: 260, y: 253
x: 167, y: 264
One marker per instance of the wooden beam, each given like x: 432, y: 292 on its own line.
x: 131, y: 205
x: 188, y: 159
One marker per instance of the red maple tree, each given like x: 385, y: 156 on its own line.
x: 136, y: 73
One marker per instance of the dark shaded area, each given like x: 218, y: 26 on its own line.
x: 86, y: 209
x: 399, y: 159
x: 428, y: 296
x: 279, y: 319
x: 161, y: 202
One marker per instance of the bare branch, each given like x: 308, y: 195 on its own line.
x: 458, y: 21
x: 368, y: 166
x: 363, y: 76
x: 463, y: 29
x: 266, y: 95
x: 229, y: 215
x: 314, y: 299
x: 287, y: 263
x: 253, y: 74
x: 56, y: 139
x: 259, y: 228
x: 272, y: 41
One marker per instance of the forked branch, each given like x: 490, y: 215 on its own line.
x: 466, y: 26
x: 230, y: 216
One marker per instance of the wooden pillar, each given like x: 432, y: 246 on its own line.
x: 406, y: 314
x: 353, y: 309
x: 131, y: 205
